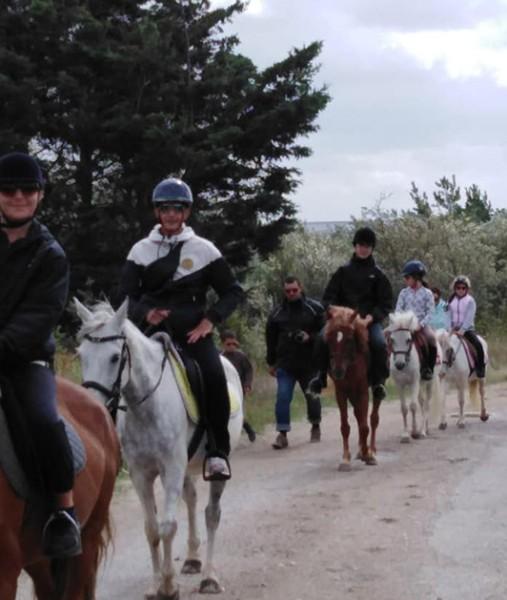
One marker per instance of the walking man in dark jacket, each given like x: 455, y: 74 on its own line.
x: 34, y: 275
x: 290, y: 336
x: 361, y: 285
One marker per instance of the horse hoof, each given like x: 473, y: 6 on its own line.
x: 344, y: 467
x: 371, y: 460
x: 405, y: 439
x: 461, y: 425
x: 191, y: 566
x: 442, y: 426
x: 210, y: 586
x: 174, y: 596
x: 484, y: 416
x: 417, y: 435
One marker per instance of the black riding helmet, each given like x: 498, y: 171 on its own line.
x: 18, y: 168
x: 365, y: 236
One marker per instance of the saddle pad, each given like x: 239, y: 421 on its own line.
x: 11, y: 466
x: 186, y: 391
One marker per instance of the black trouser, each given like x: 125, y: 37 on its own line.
x: 480, y: 366
x: 430, y: 357
x: 35, y: 389
x: 217, y: 407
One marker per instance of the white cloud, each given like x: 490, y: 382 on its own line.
x: 464, y: 53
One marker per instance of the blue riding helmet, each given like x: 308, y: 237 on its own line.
x: 18, y: 168
x: 414, y: 268
x: 172, y: 190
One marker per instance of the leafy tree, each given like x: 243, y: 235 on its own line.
x: 114, y: 95
x: 448, y: 199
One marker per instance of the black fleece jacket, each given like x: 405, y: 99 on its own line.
x: 34, y: 276
x: 362, y: 285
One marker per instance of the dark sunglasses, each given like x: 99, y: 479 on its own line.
x: 27, y: 189
x: 175, y: 206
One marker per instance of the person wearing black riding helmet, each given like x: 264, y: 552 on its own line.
x: 361, y: 285
x: 418, y: 298
x: 166, y: 278
x: 35, y: 279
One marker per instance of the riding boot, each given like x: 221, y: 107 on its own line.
x: 429, y: 366
x: 249, y: 430
x: 321, y: 358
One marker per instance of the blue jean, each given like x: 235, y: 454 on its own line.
x: 285, y: 391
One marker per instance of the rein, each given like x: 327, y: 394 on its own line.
x: 113, y: 395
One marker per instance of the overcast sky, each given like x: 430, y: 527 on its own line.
x: 419, y: 91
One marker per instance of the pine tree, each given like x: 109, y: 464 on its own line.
x: 115, y: 95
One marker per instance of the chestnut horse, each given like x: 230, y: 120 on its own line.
x: 21, y: 524
x: 347, y: 337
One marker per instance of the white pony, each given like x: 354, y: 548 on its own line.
x: 118, y: 358
x: 405, y: 369
x: 456, y: 369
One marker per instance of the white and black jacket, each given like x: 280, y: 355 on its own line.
x: 176, y: 273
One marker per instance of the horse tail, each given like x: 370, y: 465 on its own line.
x: 473, y: 389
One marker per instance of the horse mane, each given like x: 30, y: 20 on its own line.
x: 403, y: 320
x: 102, y: 312
x: 343, y: 317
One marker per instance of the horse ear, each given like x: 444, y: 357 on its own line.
x: 82, y: 312
x: 122, y: 313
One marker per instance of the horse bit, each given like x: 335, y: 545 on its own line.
x: 113, y: 395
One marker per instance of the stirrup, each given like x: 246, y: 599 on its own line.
x: 217, y: 474
x: 61, y: 536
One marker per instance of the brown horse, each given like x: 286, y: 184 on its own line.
x: 347, y: 337
x: 20, y: 530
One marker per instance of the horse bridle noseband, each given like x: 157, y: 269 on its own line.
x: 113, y: 395
x: 405, y: 353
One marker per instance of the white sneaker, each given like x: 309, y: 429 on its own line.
x: 216, y: 468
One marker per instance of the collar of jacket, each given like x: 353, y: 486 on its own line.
x: 297, y: 302
x: 368, y: 262
x: 158, y: 237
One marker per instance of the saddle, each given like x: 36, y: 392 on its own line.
x: 19, y: 458
x: 188, y: 376
x: 471, y: 353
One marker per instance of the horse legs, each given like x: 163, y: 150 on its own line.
x: 192, y: 563
x: 414, y: 408
x: 361, y: 414
x: 424, y: 403
x: 461, y: 403
x: 374, y: 421
x: 144, y: 488
x: 482, y: 392
x: 345, y: 431
x: 405, y: 436
x: 443, y: 400
x: 210, y: 583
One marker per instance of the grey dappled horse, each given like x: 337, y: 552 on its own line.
x: 154, y: 434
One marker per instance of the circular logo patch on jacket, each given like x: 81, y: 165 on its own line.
x: 187, y: 264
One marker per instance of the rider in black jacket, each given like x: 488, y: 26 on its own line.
x: 35, y: 278
x: 166, y: 278
x: 360, y: 284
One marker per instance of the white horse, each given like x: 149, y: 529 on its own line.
x: 405, y: 368
x: 456, y: 369
x: 154, y: 434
